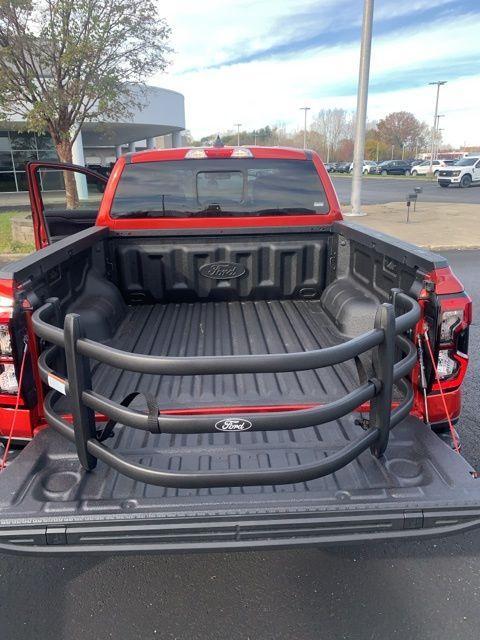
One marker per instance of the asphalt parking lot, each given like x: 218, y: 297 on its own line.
x: 426, y: 590
x: 384, y: 189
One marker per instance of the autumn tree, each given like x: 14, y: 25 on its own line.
x: 66, y: 62
x: 402, y: 130
x: 376, y: 150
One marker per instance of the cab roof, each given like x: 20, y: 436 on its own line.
x: 180, y: 153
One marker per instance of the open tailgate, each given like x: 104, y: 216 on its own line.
x: 50, y: 504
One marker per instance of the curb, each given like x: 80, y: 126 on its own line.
x: 449, y: 247
x: 11, y: 257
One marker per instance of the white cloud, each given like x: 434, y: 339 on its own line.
x: 272, y: 90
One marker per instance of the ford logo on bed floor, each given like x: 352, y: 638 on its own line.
x: 222, y: 270
x: 233, y: 424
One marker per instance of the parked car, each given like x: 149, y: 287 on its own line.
x: 368, y: 166
x: 191, y: 367
x: 393, y: 167
x: 343, y: 167
x: 423, y: 168
x: 329, y: 167
x: 464, y: 173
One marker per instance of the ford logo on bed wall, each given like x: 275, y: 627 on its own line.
x: 233, y: 424
x: 222, y: 270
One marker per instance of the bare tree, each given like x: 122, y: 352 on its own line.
x: 333, y: 125
x: 65, y: 62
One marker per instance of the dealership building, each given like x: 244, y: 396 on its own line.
x: 158, y: 124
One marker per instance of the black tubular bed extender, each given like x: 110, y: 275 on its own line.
x: 386, y: 337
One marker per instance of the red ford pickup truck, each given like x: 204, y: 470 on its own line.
x: 212, y: 359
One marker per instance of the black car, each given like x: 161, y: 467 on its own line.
x: 394, y: 167
x: 343, y: 167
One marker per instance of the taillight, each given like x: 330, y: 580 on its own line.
x: 8, y: 378
x: 5, y: 340
x: 450, y: 322
x: 455, y: 318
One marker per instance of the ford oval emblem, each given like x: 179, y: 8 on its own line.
x: 233, y: 424
x: 222, y: 270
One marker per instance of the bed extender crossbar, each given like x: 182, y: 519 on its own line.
x: 387, y: 337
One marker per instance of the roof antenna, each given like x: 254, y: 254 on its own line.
x: 218, y: 142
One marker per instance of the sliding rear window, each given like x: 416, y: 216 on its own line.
x: 211, y: 187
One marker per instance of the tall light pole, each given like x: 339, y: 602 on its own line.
x: 305, y: 109
x: 439, y: 84
x: 437, y: 148
x: 362, y: 97
x: 437, y: 137
x: 238, y: 125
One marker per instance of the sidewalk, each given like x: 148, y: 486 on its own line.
x: 436, y: 226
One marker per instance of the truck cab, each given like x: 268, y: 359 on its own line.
x: 204, y: 355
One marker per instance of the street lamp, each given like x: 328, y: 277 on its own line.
x: 305, y: 109
x: 362, y: 98
x: 238, y: 125
x: 439, y: 84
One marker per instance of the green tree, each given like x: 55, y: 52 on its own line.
x: 65, y: 62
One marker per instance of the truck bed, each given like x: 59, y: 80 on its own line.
x: 227, y: 328
x: 419, y: 486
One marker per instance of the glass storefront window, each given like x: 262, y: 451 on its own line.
x: 17, y: 148
x: 50, y: 155
x: 4, y: 141
x: 21, y: 140
x: 21, y: 180
x: 21, y: 157
x: 44, y: 141
x: 6, y: 163
x: 7, y: 182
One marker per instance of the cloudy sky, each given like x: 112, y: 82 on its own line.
x: 258, y: 61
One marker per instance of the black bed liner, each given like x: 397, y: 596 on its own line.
x: 226, y: 328
x: 419, y: 487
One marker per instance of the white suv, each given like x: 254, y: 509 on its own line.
x: 424, y: 167
x: 368, y: 166
x: 464, y: 172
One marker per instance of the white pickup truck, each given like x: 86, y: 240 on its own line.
x: 464, y: 172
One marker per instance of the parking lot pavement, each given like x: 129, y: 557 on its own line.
x: 426, y: 590
x: 383, y: 189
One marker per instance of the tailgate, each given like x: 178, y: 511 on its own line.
x: 50, y: 504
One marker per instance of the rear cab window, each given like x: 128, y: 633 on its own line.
x: 219, y: 187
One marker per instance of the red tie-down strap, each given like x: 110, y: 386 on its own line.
x: 453, y: 433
